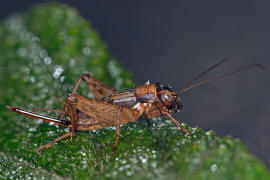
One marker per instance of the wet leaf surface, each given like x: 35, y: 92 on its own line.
x: 42, y: 53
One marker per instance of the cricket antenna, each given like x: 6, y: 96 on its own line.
x: 203, y: 73
x: 218, y: 77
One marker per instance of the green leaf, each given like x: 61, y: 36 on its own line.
x: 42, y: 53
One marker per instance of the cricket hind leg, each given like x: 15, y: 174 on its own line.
x: 72, y: 127
x: 98, y: 88
x: 72, y: 113
x: 58, y: 99
x: 64, y: 136
x: 65, y: 108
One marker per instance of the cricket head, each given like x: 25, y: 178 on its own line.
x: 169, y: 98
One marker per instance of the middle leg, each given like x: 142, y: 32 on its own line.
x: 117, y: 131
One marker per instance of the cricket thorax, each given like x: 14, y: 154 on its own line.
x: 134, y: 96
x: 124, y: 97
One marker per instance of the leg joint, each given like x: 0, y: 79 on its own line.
x: 72, y: 98
x: 86, y: 76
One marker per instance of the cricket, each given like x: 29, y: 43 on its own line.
x: 111, y: 107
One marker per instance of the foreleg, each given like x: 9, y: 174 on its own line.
x: 176, y: 122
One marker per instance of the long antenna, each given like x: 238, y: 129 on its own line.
x: 219, y: 77
x: 203, y: 73
x: 38, y: 116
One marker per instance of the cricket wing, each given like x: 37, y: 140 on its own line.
x: 102, y: 114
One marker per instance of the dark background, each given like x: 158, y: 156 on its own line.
x: 172, y: 41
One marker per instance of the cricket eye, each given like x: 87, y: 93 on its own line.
x: 167, y: 99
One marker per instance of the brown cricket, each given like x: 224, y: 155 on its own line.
x: 112, y: 107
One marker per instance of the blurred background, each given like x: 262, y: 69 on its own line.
x: 172, y: 41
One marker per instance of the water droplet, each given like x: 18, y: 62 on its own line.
x: 124, y: 161
x: 58, y: 71
x: 22, y: 52
x: 129, y: 173
x: 86, y: 51
x: 50, y: 133
x: 32, y: 79
x: 36, y: 59
x: 72, y: 62
x: 213, y: 167
x: 26, y: 70
x: 32, y: 129
x: 113, y: 69
x: 89, y: 42
x: 208, y: 133
x: 121, y: 168
x: 43, y: 53
x: 222, y: 146
x: 62, y: 78
x: 35, y: 39
x: 143, y: 159
x: 47, y: 60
